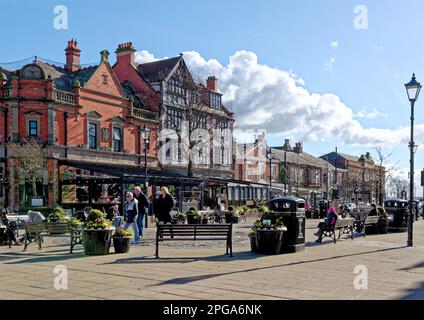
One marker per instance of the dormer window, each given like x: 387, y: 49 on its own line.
x: 215, y: 101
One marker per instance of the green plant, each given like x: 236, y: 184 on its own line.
x: 236, y: 215
x: 97, y: 219
x: 278, y: 226
x: 192, y: 211
x: 75, y: 221
x: 205, y: 216
x: 57, y: 214
x: 382, y: 212
x: 252, y: 233
x: 231, y: 208
x: 121, y: 232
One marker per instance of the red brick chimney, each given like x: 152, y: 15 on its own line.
x: 212, y: 83
x: 298, y: 148
x: 72, y: 56
x: 125, y: 53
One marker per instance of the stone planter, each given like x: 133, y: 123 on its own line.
x: 383, y: 224
x: 97, y: 242
x: 122, y: 245
x: 193, y: 219
x: 253, y: 244
x: 269, y: 242
x: 229, y: 218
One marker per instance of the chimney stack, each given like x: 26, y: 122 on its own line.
x: 125, y: 53
x: 298, y: 148
x: 212, y: 83
x: 286, y: 146
x: 72, y: 56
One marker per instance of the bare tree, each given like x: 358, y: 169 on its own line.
x: 31, y: 161
x: 384, y: 173
x: 185, y: 108
x: 397, y: 185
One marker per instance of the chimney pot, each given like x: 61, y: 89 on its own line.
x: 212, y: 83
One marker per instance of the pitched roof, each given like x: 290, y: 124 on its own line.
x: 158, y: 70
x: 303, y: 158
x: 64, y: 79
x: 348, y: 157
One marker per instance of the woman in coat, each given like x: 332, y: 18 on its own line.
x: 163, y: 206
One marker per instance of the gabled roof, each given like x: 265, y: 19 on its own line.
x: 158, y: 70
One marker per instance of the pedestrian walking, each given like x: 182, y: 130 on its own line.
x: 163, y: 206
x: 143, y: 206
x: 130, y: 215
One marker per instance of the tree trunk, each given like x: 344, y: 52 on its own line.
x: 34, y: 187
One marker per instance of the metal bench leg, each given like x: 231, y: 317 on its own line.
x: 157, y: 249
x: 334, y: 236
x: 231, y: 247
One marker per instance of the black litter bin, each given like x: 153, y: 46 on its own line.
x: 397, y: 210
x: 324, y: 205
x: 292, y: 211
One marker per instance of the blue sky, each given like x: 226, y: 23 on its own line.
x: 369, y: 69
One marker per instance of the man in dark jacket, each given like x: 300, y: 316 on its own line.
x: 143, y: 205
x: 373, y: 211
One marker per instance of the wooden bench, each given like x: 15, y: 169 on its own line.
x: 193, y: 232
x: 368, y: 221
x: 344, y: 226
x: 35, y: 233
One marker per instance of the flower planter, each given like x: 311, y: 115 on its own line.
x: 253, y: 244
x: 122, y: 245
x: 383, y: 224
x: 236, y: 219
x: 229, y: 218
x: 96, y: 242
x: 194, y: 219
x: 269, y: 242
x: 205, y: 221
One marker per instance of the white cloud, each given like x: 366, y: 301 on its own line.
x: 334, y: 44
x: 373, y: 113
x: 329, y: 65
x: 145, y: 57
x: 277, y: 100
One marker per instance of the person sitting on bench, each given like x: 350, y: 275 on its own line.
x: 330, y: 221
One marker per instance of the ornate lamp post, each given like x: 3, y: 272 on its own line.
x: 5, y: 110
x: 413, y: 89
x: 145, y: 135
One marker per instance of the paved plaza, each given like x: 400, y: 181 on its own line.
x: 201, y: 271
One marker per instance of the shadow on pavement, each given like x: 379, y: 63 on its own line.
x: 185, y: 280
x: 414, y: 293
x: 247, y: 255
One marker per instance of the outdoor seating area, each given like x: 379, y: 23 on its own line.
x: 188, y: 232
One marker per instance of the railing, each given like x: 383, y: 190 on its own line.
x: 63, y: 96
x: 144, y: 114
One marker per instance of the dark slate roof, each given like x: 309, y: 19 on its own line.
x: 64, y: 79
x: 158, y: 70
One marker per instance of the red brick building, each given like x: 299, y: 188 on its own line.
x: 82, y: 115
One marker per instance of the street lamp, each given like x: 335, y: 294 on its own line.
x: 144, y: 135
x: 5, y: 110
x: 270, y: 172
x: 413, y: 89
